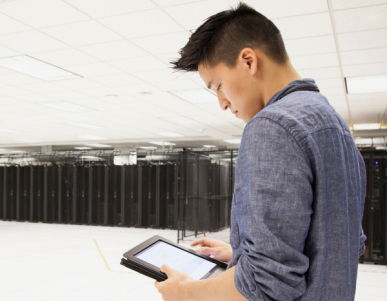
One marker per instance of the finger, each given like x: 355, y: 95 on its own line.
x: 157, y: 285
x: 205, y: 250
x: 203, y: 241
x: 165, y: 269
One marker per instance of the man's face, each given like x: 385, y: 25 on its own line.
x: 235, y: 88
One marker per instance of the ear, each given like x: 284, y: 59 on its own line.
x: 249, y: 59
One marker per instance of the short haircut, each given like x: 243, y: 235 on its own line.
x: 222, y: 36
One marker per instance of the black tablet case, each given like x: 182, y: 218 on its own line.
x: 151, y: 271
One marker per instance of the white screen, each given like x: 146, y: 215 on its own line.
x: 162, y: 253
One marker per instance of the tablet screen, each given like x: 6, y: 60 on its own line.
x: 162, y: 253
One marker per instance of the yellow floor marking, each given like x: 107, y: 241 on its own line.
x: 103, y: 258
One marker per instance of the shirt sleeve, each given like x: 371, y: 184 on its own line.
x: 363, y: 238
x: 274, y: 207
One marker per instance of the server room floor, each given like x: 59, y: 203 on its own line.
x: 66, y: 262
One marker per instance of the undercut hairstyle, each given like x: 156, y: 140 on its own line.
x: 222, y: 36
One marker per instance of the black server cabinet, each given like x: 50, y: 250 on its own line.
x: 23, y: 210
x: 81, y: 195
x: 2, y: 191
x: 114, y: 195
x: 149, y: 174
x: 375, y: 208
x: 168, y: 196
x: 129, y: 195
x: 51, y: 194
x: 37, y: 194
x: 97, y: 197
x: 10, y: 188
x: 67, y: 190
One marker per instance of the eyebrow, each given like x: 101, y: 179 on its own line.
x: 209, y: 85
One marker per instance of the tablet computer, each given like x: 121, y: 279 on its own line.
x: 148, y: 257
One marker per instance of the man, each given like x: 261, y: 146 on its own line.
x: 300, y: 180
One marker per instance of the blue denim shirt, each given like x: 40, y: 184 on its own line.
x: 299, y: 194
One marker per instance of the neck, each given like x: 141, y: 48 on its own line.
x: 276, y: 78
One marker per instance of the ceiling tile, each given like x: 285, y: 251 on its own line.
x: 338, y: 99
x: 305, y: 26
x: 42, y: 13
x: 177, y: 85
x: 329, y: 91
x: 360, y: 19
x: 99, y: 92
x: 367, y: 96
x: 367, y: 56
x: 157, y: 76
x: 64, y: 57
x: 315, y: 61
x: 168, y: 57
x: 17, y: 79
x: 164, y: 3
x: 65, y: 95
x: 30, y: 42
x: 104, y: 8
x: 363, y: 40
x: 141, y: 24
x: 368, y: 102
x: 94, y: 69
x: 114, y: 50
x: 82, y: 33
x: 13, y: 91
x: 313, y: 45
x: 117, y: 80
x: 367, y: 114
x: 145, y: 63
x: 35, y: 97
x: 192, y: 15
x: 163, y: 43
x: 135, y: 89
x: 365, y: 69
x: 78, y: 84
x: 44, y: 87
x: 320, y: 73
x: 330, y: 82
x: 345, y: 4
x: 6, y: 52
x: 9, y: 25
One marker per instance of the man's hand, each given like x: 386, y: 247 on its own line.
x: 219, y: 249
x: 176, y: 287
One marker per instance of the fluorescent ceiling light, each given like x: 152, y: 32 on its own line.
x: 91, y: 137
x: 148, y: 147
x: 179, y: 120
x: 369, y: 140
x: 36, y: 68
x: 366, y: 84
x: 200, y: 95
x: 162, y: 143
x: 66, y: 106
x: 233, y: 141
x: 82, y: 147
x: 367, y: 126
x: 85, y: 125
x: 169, y: 134
x: 7, y: 131
x: 99, y: 145
x: 27, y: 140
x: 209, y: 146
x: 17, y: 151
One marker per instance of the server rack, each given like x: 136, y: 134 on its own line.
x: 97, y: 196
x: 2, y: 192
x: 168, y: 196
x: 81, y: 194
x: 149, y: 181
x: 129, y: 199
x: 51, y: 194
x: 375, y: 208
x: 23, y: 210
x: 114, y: 195
x: 37, y: 194
x: 10, y: 192
x: 67, y: 190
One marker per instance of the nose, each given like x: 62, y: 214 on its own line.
x: 223, y: 103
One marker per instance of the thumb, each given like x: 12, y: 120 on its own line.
x: 165, y: 269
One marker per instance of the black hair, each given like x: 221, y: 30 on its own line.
x: 222, y: 36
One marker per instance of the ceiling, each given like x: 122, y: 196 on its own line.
x: 122, y: 47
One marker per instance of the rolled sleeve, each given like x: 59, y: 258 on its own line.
x: 273, y: 208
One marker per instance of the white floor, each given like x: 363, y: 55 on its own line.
x: 62, y: 262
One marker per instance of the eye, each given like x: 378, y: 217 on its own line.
x: 218, y: 88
